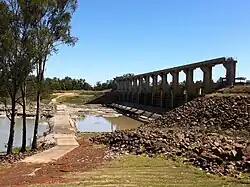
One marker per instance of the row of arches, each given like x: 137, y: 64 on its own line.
x: 198, y: 76
x: 175, y: 86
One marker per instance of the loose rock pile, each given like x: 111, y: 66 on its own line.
x: 232, y: 112
x: 211, y: 133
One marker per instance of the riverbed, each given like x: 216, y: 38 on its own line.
x: 5, y: 127
x: 95, y: 118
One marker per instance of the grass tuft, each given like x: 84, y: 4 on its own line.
x: 17, y: 149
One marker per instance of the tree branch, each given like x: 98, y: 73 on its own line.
x: 18, y: 102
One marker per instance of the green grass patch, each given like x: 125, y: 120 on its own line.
x: 145, y: 171
x: 81, y: 98
x: 17, y: 149
x: 46, y: 99
x: 237, y: 89
x: 78, y: 99
x: 95, y: 93
x: 80, y: 91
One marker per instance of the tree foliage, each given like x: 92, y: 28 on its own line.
x: 30, y: 31
x: 16, y: 55
x: 109, y: 84
x: 52, y: 27
x: 52, y: 84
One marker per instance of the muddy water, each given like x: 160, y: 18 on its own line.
x: 101, y: 124
x: 4, y: 132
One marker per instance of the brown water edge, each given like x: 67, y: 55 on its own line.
x: 124, y: 122
x: 92, y: 123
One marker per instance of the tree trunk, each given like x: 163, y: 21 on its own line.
x: 12, y: 125
x: 34, y: 142
x: 40, y: 74
x: 23, y: 90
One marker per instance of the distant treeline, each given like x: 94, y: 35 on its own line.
x: 68, y: 83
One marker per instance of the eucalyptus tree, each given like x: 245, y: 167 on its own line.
x: 52, y: 28
x: 30, y: 31
x: 8, y: 63
x: 15, y: 54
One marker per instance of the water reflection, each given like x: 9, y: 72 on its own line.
x: 4, y: 131
x: 95, y: 124
x: 101, y: 124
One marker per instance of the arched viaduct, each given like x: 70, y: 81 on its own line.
x: 153, y: 89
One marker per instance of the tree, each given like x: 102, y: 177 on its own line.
x: 87, y: 86
x: 23, y: 93
x: 109, y: 84
x: 8, y: 64
x: 51, y: 20
x: 51, y: 84
x: 28, y: 67
x: 98, y: 86
x: 30, y: 31
x: 15, y: 45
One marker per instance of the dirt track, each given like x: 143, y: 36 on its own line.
x: 59, y: 95
x: 83, y: 158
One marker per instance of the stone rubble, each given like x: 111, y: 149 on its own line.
x: 212, y: 133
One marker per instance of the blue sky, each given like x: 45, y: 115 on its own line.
x: 136, y: 36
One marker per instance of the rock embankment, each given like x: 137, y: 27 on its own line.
x: 211, y: 132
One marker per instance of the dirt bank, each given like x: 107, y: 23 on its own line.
x: 83, y: 158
